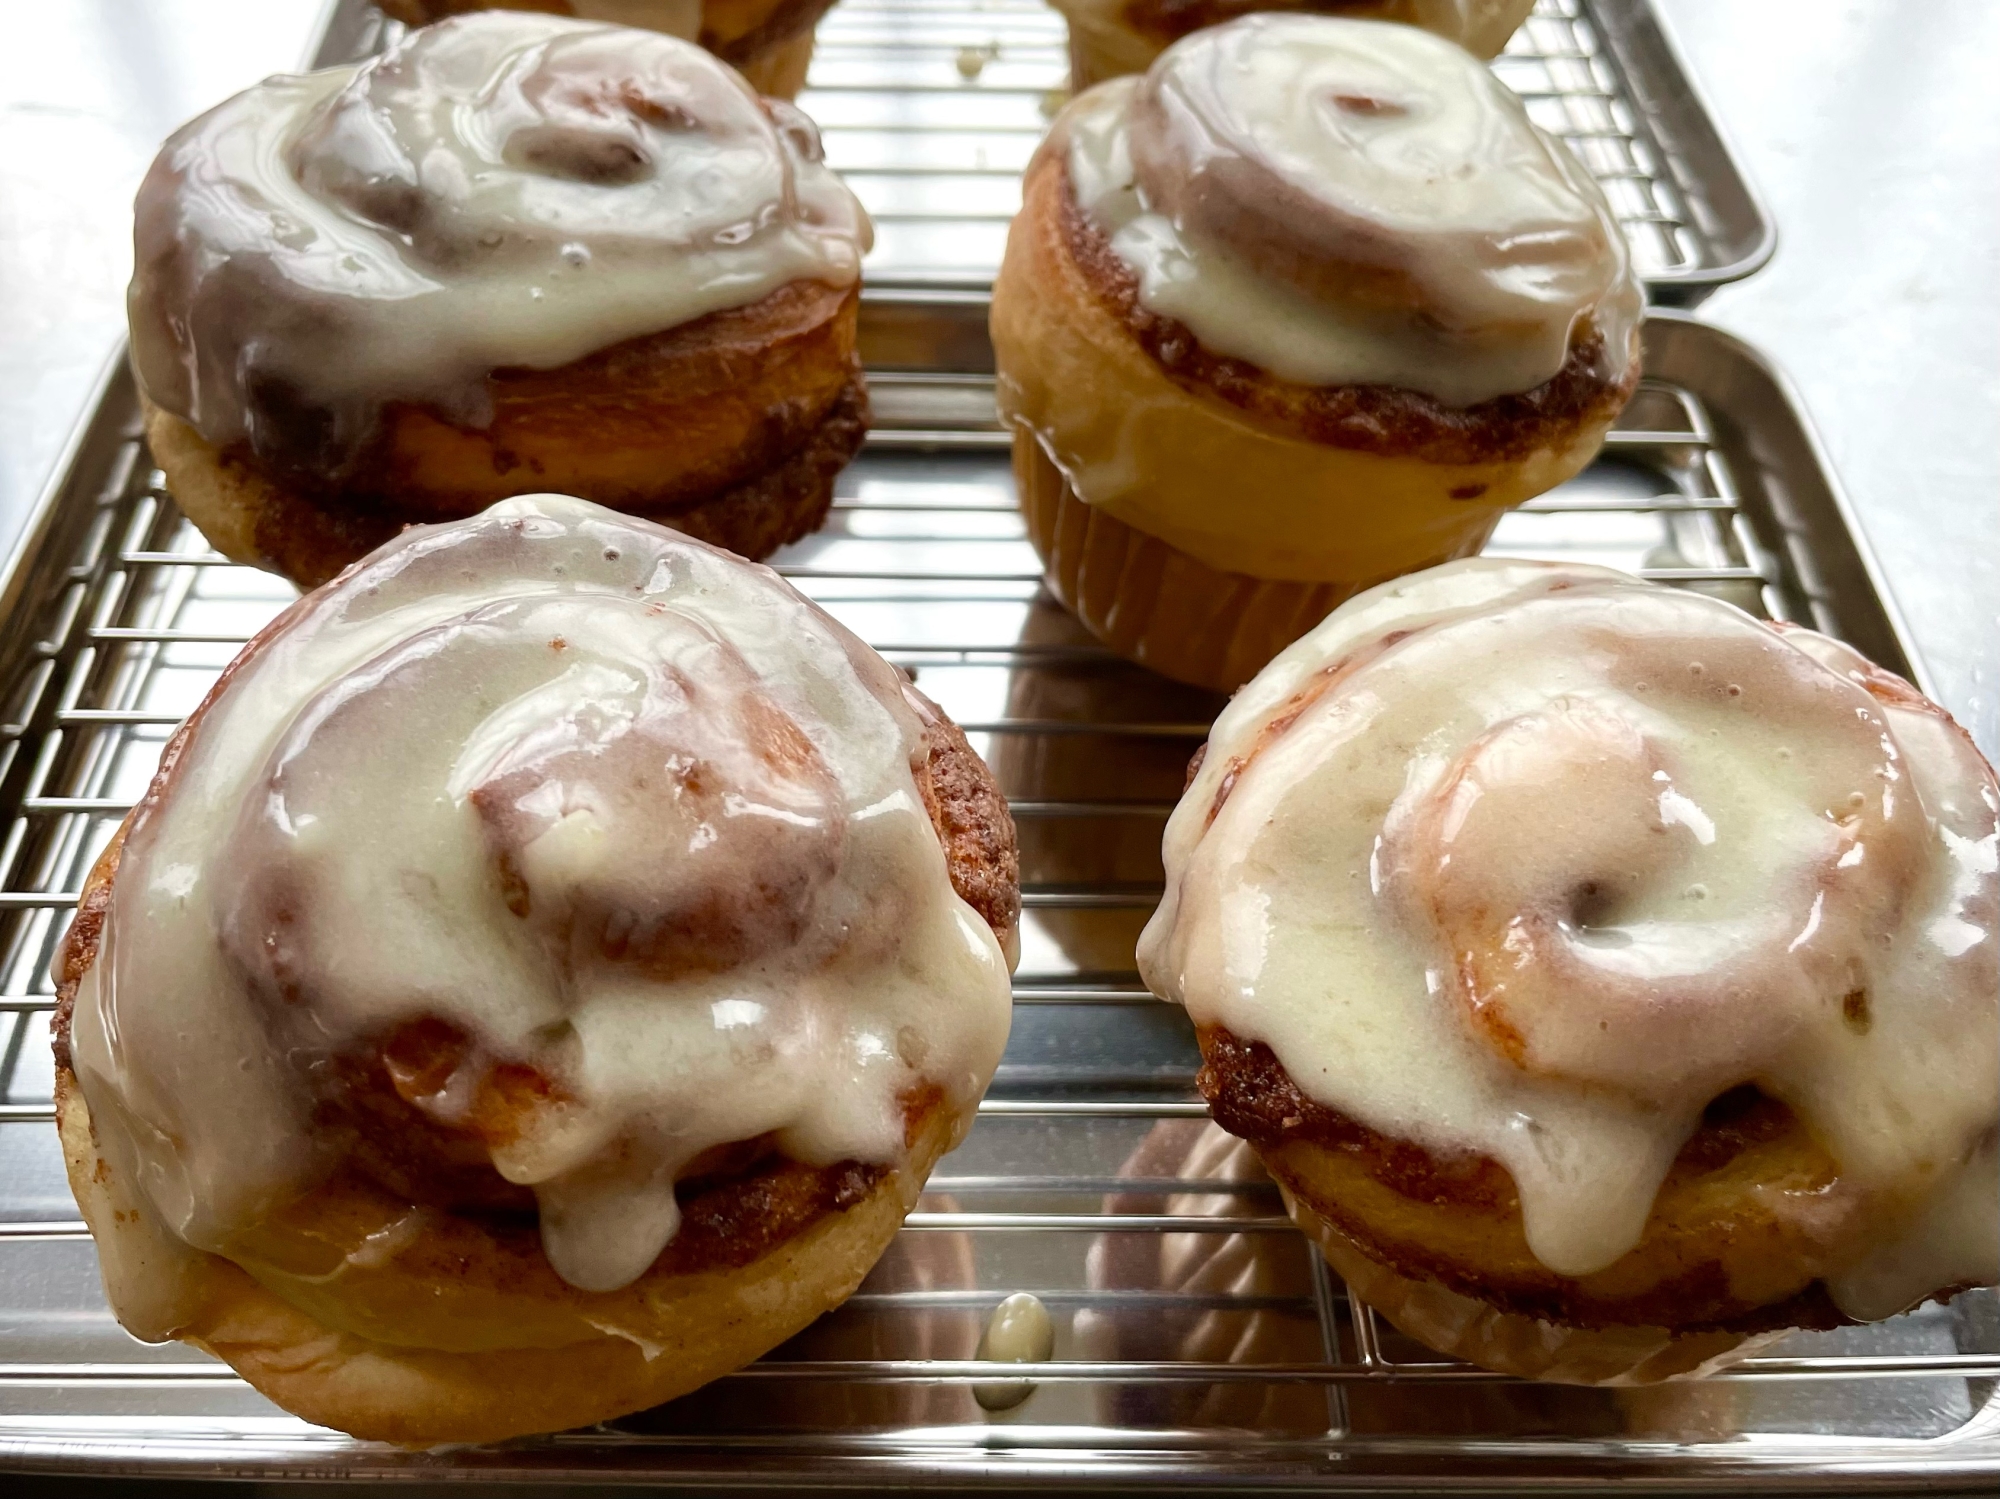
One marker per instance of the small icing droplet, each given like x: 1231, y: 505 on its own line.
x: 1019, y: 1332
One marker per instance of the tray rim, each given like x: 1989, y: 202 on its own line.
x: 1689, y: 287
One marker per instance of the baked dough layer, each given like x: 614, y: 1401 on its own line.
x: 731, y: 429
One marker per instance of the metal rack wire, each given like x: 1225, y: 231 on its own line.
x: 1196, y: 1330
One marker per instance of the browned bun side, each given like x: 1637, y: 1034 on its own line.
x: 698, y: 1326
x: 731, y: 428
x: 1441, y: 1239
x: 459, y: 1331
x: 770, y: 42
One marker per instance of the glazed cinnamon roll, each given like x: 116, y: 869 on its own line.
x: 770, y: 42
x: 513, y: 253
x: 538, y: 981
x: 1307, y: 306
x: 1608, y: 978
x: 1110, y: 38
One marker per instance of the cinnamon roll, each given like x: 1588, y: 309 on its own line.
x: 1307, y: 306
x: 513, y: 253
x: 538, y: 981
x: 1110, y: 38
x: 1607, y: 978
x: 770, y: 42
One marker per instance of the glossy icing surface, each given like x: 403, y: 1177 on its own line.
x: 1353, y: 203
x: 1536, y: 861
x: 499, y: 190
x: 620, y: 807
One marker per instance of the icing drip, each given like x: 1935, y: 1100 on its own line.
x: 621, y: 813
x: 499, y: 190
x: 1353, y: 203
x: 1535, y: 862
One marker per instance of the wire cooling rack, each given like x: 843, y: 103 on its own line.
x: 1197, y: 1335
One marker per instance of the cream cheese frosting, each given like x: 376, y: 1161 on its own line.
x: 1347, y: 202
x: 1535, y: 861
x: 499, y: 190
x: 618, y: 806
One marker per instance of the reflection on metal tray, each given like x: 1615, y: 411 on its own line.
x: 1197, y: 1336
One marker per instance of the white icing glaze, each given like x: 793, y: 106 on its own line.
x: 1555, y: 857
x: 616, y: 804
x: 499, y: 190
x: 1353, y: 202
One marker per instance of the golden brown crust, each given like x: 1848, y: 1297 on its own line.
x: 1382, y: 419
x: 1457, y: 1221
x: 731, y: 428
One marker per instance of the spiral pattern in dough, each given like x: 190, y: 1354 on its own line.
x: 1534, y: 862
x: 499, y: 190
x: 606, y: 841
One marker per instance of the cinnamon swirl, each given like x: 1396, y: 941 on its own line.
x: 1307, y: 306
x: 515, y: 252
x: 1110, y: 38
x: 1608, y: 978
x: 538, y: 981
x: 770, y: 42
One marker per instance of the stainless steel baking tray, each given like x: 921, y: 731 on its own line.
x: 1198, y: 1339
